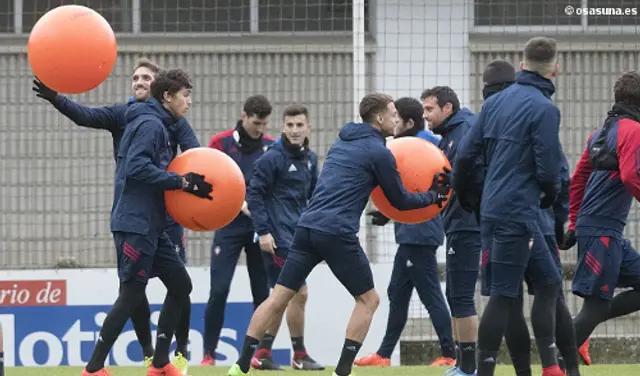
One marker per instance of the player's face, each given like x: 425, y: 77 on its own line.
x: 296, y: 128
x: 141, y: 83
x: 254, y: 126
x: 389, y: 120
x: 178, y: 104
x: 403, y: 126
x: 434, y: 115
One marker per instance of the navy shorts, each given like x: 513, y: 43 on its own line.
x: 550, y: 245
x: 274, y: 264
x: 141, y: 257
x: 605, y: 263
x: 463, y: 263
x: 342, y: 253
x: 176, y: 235
x: 508, y: 253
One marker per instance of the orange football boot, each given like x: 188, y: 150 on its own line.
x: 168, y: 370
x: 443, y: 362
x: 373, y: 360
x: 583, y: 350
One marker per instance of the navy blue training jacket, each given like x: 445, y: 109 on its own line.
x: 559, y: 211
x: 452, y: 131
x: 141, y: 177
x: 517, y: 135
x: 356, y: 163
x: 279, y: 191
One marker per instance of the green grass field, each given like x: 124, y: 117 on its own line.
x: 595, y: 370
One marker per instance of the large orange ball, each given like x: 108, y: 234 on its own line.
x: 199, y: 214
x: 72, y: 49
x: 418, y: 161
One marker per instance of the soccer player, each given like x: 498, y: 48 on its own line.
x: 446, y: 118
x: 605, y: 182
x: 112, y: 119
x: 282, y: 183
x: 328, y: 230
x: 517, y: 134
x: 138, y: 219
x: 245, y: 144
x: 415, y: 264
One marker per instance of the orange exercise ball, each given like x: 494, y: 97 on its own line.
x: 418, y: 161
x: 200, y: 214
x: 72, y: 49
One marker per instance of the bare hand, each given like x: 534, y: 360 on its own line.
x: 267, y: 244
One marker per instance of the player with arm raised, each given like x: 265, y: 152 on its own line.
x: 282, y: 183
x: 244, y: 144
x: 328, y: 230
x: 112, y: 119
x: 138, y: 219
x: 516, y: 132
x: 603, y: 186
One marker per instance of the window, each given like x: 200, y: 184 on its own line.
x: 307, y: 15
x: 524, y: 13
x: 6, y: 16
x: 619, y: 19
x: 197, y: 16
x: 116, y: 12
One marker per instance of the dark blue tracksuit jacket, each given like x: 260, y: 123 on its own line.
x: 429, y: 233
x: 517, y: 135
x: 559, y: 212
x: 141, y: 171
x: 356, y: 163
x: 452, y: 131
x: 112, y: 119
x: 279, y: 191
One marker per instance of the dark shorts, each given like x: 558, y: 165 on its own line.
x: 176, y: 235
x: 342, y: 253
x: 463, y: 263
x: 508, y: 254
x: 142, y: 257
x: 274, y: 264
x: 605, y: 263
x: 549, y: 245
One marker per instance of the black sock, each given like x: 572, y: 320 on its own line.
x: 565, y: 337
x: 248, y: 349
x: 458, y: 355
x: 267, y: 342
x: 349, y: 352
x: 468, y: 357
x: 130, y: 296
x: 140, y: 319
x: 182, y: 330
x: 518, y: 339
x: 298, y: 344
x: 543, y: 321
x: 1, y: 363
x: 490, y: 332
x: 487, y: 362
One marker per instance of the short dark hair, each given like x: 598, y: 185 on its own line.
x: 540, y: 54
x: 258, y: 106
x: 147, y: 63
x: 626, y: 90
x: 295, y: 110
x: 171, y: 81
x: 410, y: 109
x: 372, y: 105
x: 443, y: 95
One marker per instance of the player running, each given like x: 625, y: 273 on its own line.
x: 445, y: 117
x: 517, y: 133
x: 245, y: 144
x: 112, y: 119
x: 138, y: 219
x: 603, y: 186
x: 283, y: 180
x: 415, y: 264
x: 328, y: 230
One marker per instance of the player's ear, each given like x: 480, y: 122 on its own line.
x: 410, y: 123
x: 166, y: 97
x: 522, y: 65
x: 243, y: 116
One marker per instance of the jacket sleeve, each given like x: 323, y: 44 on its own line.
x: 142, y: 151
x: 468, y: 152
x: 386, y: 172
x: 261, y: 184
x: 561, y: 205
x: 628, y: 146
x: 216, y: 142
x: 96, y: 117
x: 547, y: 148
x: 185, y: 136
x: 579, y: 185
x: 314, y: 176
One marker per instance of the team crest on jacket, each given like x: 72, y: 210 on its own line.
x: 264, y: 148
x: 309, y: 165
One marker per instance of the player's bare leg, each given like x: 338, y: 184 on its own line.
x: 465, y: 333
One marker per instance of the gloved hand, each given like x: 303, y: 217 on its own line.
x: 197, y: 186
x: 548, y: 194
x: 441, y: 186
x: 377, y: 218
x: 568, y: 240
x: 559, y: 230
x: 43, y: 91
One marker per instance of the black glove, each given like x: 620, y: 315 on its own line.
x: 377, y: 218
x: 43, y: 91
x: 197, y: 186
x: 549, y: 194
x: 559, y: 229
x: 568, y: 240
x: 441, y: 186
